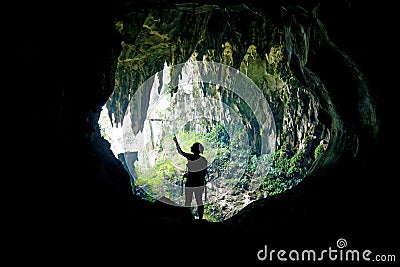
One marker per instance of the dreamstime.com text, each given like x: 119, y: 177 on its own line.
x: 338, y: 253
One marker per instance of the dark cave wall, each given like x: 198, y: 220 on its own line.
x: 64, y: 75
x: 66, y: 55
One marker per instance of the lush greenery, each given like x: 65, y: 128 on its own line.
x: 286, y: 167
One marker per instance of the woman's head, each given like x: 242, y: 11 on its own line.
x: 197, y: 148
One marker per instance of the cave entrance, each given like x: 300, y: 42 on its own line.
x: 223, y: 109
x: 257, y: 120
x: 210, y: 103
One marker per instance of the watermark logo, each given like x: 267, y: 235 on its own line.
x: 339, y: 253
x: 341, y: 243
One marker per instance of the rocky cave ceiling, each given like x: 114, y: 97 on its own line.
x: 247, y: 35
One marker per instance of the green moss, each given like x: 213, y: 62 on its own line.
x: 319, y: 150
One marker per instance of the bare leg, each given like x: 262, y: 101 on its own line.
x: 198, y: 194
x: 188, y: 196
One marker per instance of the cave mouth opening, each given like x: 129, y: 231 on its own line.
x: 218, y: 106
x: 248, y: 93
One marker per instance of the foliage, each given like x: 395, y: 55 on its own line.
x: 319, y: 150
x: 212, y: 212
x: 288, y: 169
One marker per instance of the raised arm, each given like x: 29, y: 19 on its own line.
x: 178, y: 147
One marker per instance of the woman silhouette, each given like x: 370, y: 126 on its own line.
x: 195, y: 176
